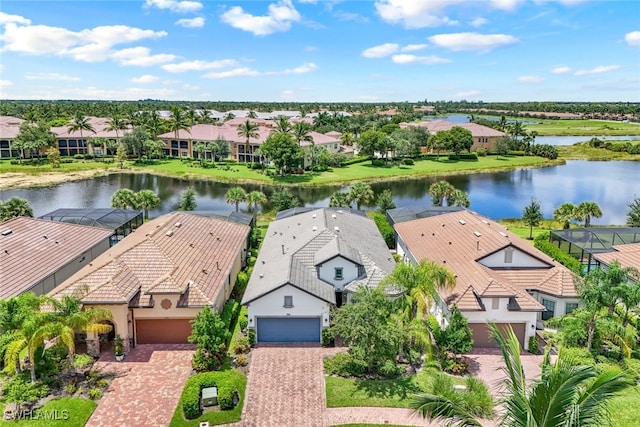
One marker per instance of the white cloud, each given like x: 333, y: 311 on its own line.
x: 188, y: 86
x: 530, y: 79
x: 349, y: 16
x: 413, y: 47
x: 4, y: 83
x: 236, y: 72
x: 303, y: 69
x: 561, y: 70
x: 466, y: 94
x: 279, y: 18
x: 140, y: 56
x: 175, y: 6
x: 199, y: 65
x: 197, y: 22
x: 597, y: 70
x: 5, y: 18
x: 50, y: 76
x: 472, y: 41
x: 633, y: 38
x: 147, y: 78
x: 380, y: 51
x: 415, y: 13
x: 508, y: 5
x: 409, y: 59
x: 478, y: 22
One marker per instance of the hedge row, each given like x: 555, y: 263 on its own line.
x: 542, y: 243
x: 357, y: 159
x: 230, y: 313
x: 229, y: 383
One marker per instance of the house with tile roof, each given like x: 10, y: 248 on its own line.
x: 312, y: 260
x: 627, y: 255
x: 158, y: 278
x: 500, y: 277
x: 37, y: 255
x: 483, y: 136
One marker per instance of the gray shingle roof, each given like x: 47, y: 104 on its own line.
x: 295, y: 243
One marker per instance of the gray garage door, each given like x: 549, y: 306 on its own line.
x: 288, y: 329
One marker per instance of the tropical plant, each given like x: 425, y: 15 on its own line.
x: 209, y: 333
x: 283, y: 151
x: 360, y: 193
x: 532, y: 215
x: 247, y: 130
x: 116, y: 123
x: 255, y: 198
x: 146, y: 199
x: 340, y: 200
x: 121, y: 155
x: 179, y: 121
x: 200, y: 148
x: 385, y: 201
x: 14, y: 207
x: 565, y: 213
x: 302, y: 132
x: 33, y: 137
x: 282, y: 199
x: 236, y: 195
x: 282, y: 125
x: 439, y: 191
x: 633, y: 215
x: 80, y: 123
x: 565, y: 395
x: 188, y: 200
x: 458, y: 198
x: 124, y: 198
x: 588, y: 210
x: 118, y: 345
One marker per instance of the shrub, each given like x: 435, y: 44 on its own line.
x: 345, y: 365
x: 454, y: 365
x: 477, y: 398
x: 230, y: 313
x: 385, y: 228
x: 577, y: 356
x: 244, y: 322
x: 243, y: 345
x: 454, y: 157
x: 251, y: 334
x: 469, y: 156
x: 558, y: 254
x: 70, y: 388
x: 408, y: 162
x: 228, y: 383
x: 326, y: 338
x: 88, y: 156
x: 481, y: 152
x: 390, y: 369
x: 241, y: 360
x: 534, y: 345
x: 79, y: 156
x: 82, y: 360
x: 377, y: 162
x: 102, y: 383
x: 353, y: 161
x: 516, y: 153
x: 225, y: 398
x: 95, y: 393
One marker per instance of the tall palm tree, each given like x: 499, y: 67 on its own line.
x: 439, y: 191
x: 124, y: 198
x: 347, y: 138
x: 236, y: 195
x: 565, y: 213
x: 340, y: 200
x: 147, y: 199
x: 565, y: 395
x: 80, y: 123
x: 301, y: 132
x: 179, y: 121
x: 459, y: 198
x: 247, y: 130
x: 360, y: 193
x: 587, y: 210
x: 282, y: 125
x: 116, y: 123
x: 255, y: 198
x: 154, y: 125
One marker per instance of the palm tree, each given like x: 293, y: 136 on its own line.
x: 247, y: 130
x: 459, y: 198
x: 360, y: 193
x: 188, y: 200
x: 15, y: 206
x: 124, y: 198
x: 565, y: 213
x: 236, y: 195
x: 439, y: 191
x: 154, y: 124
x: 147, y: 199
x: 565, y: 395
x: 340, y: 200
x: 587, y: 210
x: 116, y: 123
x: 282, y: 125
x: 33, y: 332
x: 347, y: 138
x: 179, y: 121
x: 80, y: 123
x: 254, y: 198
x: 532, y: 215
x: 301, y: 132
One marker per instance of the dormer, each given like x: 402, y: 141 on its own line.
x: 511, y: 256
x: 338, y: 264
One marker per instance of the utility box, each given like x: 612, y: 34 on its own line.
x: 209, y: 396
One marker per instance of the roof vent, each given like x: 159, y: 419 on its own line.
x: 7, y: 232
x: 178, y: 224
x: 340, y: 211
x: 333, y: 216
x: 486, y: 222
x: 462, y: 221
x: 477, y: 233
x: 169, y: 233
x: 315, y: 228
x: 336, y: 228
x: 503, y: 234
x: 261, y: 275
x: 314, y: 215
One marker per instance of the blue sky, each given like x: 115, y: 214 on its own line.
x: 314, y: 50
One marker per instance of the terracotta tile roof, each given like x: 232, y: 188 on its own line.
x: 477, y: 130
x: 36, y: 248
x: 462, y: 240
x: 9, y: 127
x: 627, y: 255
x: 177, y: 253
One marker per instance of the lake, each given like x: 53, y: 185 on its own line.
x: 497, y: 195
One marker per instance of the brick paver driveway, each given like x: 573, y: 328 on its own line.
x: 147, y: 387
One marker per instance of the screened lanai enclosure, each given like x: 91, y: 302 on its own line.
x: 584, y: 243
x: 121, y: 221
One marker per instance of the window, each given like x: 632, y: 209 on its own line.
x: 338, y: 275
x: 570, y: 307
x: 550, y: 309
x: 288, y: 301
x: 495, y: 303
x: 508, y: 255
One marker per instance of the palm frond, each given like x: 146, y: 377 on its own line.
x: 441, y: 408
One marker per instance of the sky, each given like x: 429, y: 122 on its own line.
x: 321, y: 51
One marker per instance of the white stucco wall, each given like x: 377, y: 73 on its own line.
x: 349, y: 272
x: 560, y: 308
x: 520, y: 259
x: 304, y: 305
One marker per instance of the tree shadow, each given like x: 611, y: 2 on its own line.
x: 388, y: 389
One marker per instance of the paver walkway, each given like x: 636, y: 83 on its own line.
x: 147, y: 387
x: 487, y: 363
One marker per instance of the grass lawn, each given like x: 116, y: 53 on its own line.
x: 585, y: 152
x: 624, y: 408
x: 519, y: 228
x: 357, y: 172
x: 76, y: 166
x: 63, y: 412
x: 344, y: 392
x: 583, y: 127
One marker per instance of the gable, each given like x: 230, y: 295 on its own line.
x: 511, y: 256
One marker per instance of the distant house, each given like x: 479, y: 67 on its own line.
x: 627, y: 255
x: 9, y: 130
x: 312, y: 260
x: 499, y: 276
x: 157, y: 279
x: 483, y: 136
x: 37, y: 255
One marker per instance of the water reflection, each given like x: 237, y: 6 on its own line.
x: 498, y: 195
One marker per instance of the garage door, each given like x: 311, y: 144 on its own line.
x: 162, y: 331
x: 288, y: 329
x: 481, y: 334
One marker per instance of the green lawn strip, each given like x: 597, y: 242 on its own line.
x: 76, y: 166
x: 62, y: 412
x: 624, y: 408
x: 397, y: 393
x: 585, y: 152
x: 548, y: 127
x: 214, y: 417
